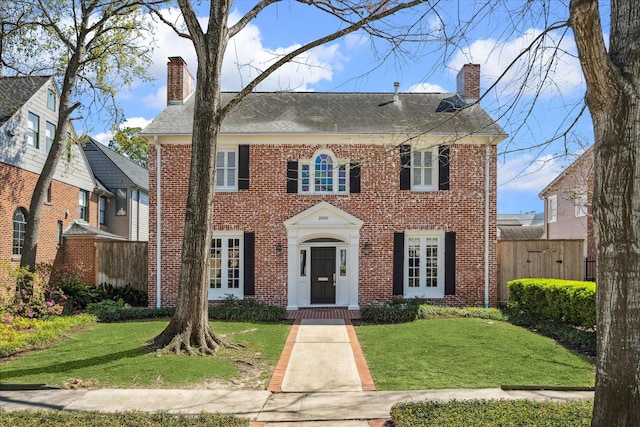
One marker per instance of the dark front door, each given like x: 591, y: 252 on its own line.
x: 323, y: 275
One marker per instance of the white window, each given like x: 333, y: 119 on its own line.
x: 323, y: 174
x: 83, y: 205
x: 226, y: 170
x: 19, y: 230
x: 424, y: 169
x: 552, y: 208
x: 51, y: 100
x: 50, y: 132
x: 121, y: 202
x: 424, y: 264
x: 580, y: 203
x: 225, y: 266
x: 33, y: 130
x: 102, y: 210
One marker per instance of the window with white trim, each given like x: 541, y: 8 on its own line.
x: 226, y: 266
x: 49, y: 132
x: 19, y: 230
x: 33, y: 130
x: 424, y: 169
x: 424, y: 264
x: 51, y: 100
x: 226, y: 170
x: 552, y: 208
x: 580, y: 204
x: 324, y: 174
x: 83, y: 205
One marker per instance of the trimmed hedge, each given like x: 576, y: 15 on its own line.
x: 495, y: 413
x: 118, y: 419
x: 399, y: 310
x: 564, y: 301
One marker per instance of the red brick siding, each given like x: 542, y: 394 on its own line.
x: 16, y: 189
x: 382, y: 206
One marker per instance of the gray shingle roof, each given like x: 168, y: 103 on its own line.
x: 83, y: 229
x: 114, y: 170
x: 15, y: 92
x: 334, y: 113
x: 519, y: 232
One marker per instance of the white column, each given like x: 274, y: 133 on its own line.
x: 292, y: 270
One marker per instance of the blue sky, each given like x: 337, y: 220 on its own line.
x: 493, y: 40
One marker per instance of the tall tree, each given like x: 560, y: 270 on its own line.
x: 613, y: 98
x: 189, y: 329
x: 127, y: 142
x: 91, y: 46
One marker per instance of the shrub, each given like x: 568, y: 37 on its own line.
x: 563, y: 301
x: 397, y: 310
x: 31, y: 299
x: 128, y: 294
x: 497, y: 413
x: 233, y: 309
x: 426, y: 311
x: 108, y: 311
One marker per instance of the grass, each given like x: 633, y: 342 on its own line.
x: 122, y: 419
x: 113, y: 355
x: 495, y: 413
x: 23, y: 333
x: 467, y: 353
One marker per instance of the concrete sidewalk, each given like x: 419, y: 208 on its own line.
x: 261, y: 406
x: 321, y: 380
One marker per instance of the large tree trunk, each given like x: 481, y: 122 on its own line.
x: 613, y: 79
x: 65, y: 108
x: 189, y: 329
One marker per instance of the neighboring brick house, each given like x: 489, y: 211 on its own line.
x: 28, y: 119
x: 71, y: 214
x: 123, y: 208
x: 567, y: 204
x: 334, y: 199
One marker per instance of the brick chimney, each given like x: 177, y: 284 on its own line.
x: 180, y: 83
x: 468, y: 81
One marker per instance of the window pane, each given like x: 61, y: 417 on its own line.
x: 215, y: 264
x: 51, y: 100
x: 83, y: 205
x: 50, y: 132
x: 343, y: 262
x: 19, y: 227
x: 226, y: 170
x: 33, y: 130
x: 233, y: 272
x: 414, y: 263
x: 323, y: 179
x: 121, y: 202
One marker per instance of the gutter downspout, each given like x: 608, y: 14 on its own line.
x: 487, y: 204
x: 158, y: 222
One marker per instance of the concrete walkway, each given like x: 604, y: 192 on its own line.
x: 321, y: 380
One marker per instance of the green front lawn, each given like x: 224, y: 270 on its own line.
x: 113, y: 355
x: 467, y: 353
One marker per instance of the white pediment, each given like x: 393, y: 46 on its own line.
x: 323, y: 214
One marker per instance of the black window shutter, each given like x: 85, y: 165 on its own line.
x: 398, y: 263
x: 450, y: 263
x: 292, y: 177
x: 443, y: 170
x: 405, y: 167
x: 243, y: 167
x: 249, y: 263
x: 354, y: 177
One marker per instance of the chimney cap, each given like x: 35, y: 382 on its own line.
x: 176, y: 59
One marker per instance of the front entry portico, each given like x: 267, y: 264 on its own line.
x: 323, y: 258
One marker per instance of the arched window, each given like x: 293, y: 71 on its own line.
x: 323, y: 174
x: 19, y: 227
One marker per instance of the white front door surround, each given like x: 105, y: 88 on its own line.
x: 323, y: 225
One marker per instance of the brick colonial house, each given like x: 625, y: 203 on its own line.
x: 334, y: 199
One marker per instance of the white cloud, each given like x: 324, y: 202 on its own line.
x: 157, y: 100
x: 245, y: 58
x: 528, y: 173
x: 428, y: 88
x: 550, y: 69
x: 131, y: 122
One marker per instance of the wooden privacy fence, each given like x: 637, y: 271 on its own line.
x: 122, y: 263
x: 558, y: 259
